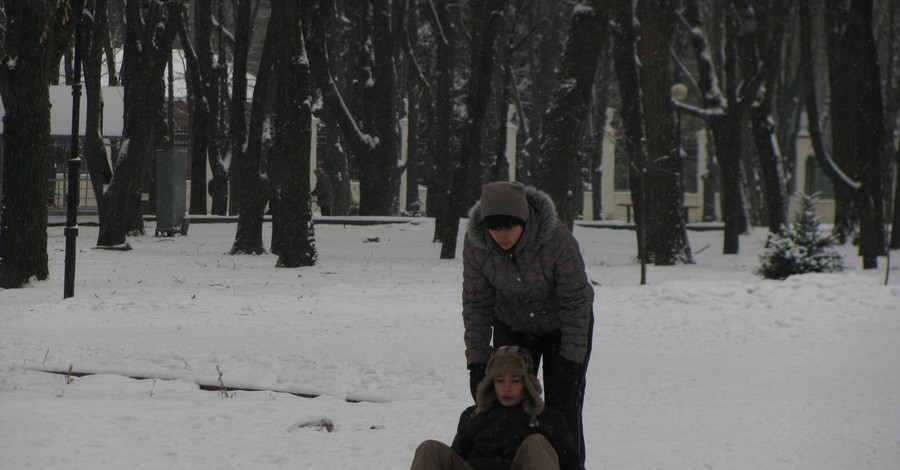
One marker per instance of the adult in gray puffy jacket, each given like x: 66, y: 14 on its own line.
x: 524, y: 283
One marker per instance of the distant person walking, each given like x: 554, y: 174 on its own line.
x: 323, y: 193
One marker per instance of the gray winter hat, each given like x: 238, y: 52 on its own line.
x: 504, y: 198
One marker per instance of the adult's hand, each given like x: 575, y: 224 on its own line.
x: 476, y: 375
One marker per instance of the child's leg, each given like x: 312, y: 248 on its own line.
x: 535, y: 453
x: 434, y: 455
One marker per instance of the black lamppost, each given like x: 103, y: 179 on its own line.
x: 74, y: 164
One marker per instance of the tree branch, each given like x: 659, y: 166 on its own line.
x: 359, y: 141
x: 702, y: 113
x: 812, y: 110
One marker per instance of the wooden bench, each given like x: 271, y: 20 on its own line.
x: 686, y: 208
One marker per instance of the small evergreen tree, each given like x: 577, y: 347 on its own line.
x: 799, y: 247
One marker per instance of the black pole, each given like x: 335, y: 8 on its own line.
x: 641, y: 220
x: 74, y: 165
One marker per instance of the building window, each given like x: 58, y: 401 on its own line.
x: 817, y: 181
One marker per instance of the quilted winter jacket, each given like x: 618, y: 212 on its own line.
x: 537, y: 287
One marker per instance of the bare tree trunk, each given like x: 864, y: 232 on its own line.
x: 631, y: 139
x: 107, y: 46
x: 667, y: 226
x: 200, y: 116
x: 485, y: 18
x: 771, y: 166
x: 337, y: 165
x: 380, y: 171
x: 292, y: 227
x: 30, y: 29
x: 766, y: 65
x: 94, y: 151
x: 209, y: 79
x: 723, y: 114
x: 378, y: 153
x: 895, y: 220
x: 255, y: 191
x: 543, y: 74
x: 726, y: 132
x: 414, y: 93
x: 442, y: 123
x: 858, y: 117
x: 151, y: 28
x: 243, y: 31
x: 564, y: 121
x: 499, y: 165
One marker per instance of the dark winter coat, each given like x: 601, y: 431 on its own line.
x: 537, y: 287
x: 489, y: 440
x: 325, y: 196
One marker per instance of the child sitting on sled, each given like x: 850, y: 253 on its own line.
x: 508, y: 428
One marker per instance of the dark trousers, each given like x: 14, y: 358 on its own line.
x: 325, y: 210
x: 567, y: 396
x: 535, y: 453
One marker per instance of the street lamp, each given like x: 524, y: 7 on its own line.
x: 74, y: 165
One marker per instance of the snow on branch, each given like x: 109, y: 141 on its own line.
x: 828, y: 165
x: 702, y: 113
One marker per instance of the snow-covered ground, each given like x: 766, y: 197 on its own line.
x: 707, y: 367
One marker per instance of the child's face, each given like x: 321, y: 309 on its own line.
x: 510, y: 389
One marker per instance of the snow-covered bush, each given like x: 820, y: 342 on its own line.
x: 799, y: 247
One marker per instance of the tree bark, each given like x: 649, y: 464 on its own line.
x: 25, y: 72
x: 564, y: 121
x: 337, y: 164
x: 631, y: 139
x: 666, y: 222
x: 200, y: 115
x: 151, y: 28
x: 237, y: 131
x: 771, y: 28
x: 857, y: 114
x: 379, y: 179
x: 255, y: 189
x: 378, y: 153
x: 546, y: 20
x: 485, y: 18
x: 292, y: 227
x: 895, y: 219
x: 415, y: 90
x: 217, y: 187
x: 723, y: 113
x: 94, y: 149
x: 442, y: 123
x: 858, y: 117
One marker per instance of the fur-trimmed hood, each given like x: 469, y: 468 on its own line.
x: 511, y: 360
x: 539, y: 229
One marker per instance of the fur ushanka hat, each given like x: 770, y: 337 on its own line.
x: 511, y: 360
